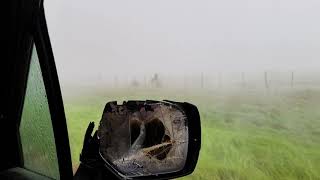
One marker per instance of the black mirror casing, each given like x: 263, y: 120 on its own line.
x: 107, y: 169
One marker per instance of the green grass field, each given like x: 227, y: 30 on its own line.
x: 246, y: 134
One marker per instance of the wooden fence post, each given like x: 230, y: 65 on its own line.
x: 243, y: 83
x: 184, y: 82
x: 292, y: 79
x: 202, y: 81
x: 220, y: 80
x: 266, y: 82
x: 115, y: 82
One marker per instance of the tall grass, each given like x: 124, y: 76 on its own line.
x: 246, y: 134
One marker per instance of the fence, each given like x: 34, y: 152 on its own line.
x: 212, y: 80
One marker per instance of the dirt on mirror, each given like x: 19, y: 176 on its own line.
x: 144, y: 137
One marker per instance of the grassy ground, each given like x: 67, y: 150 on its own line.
x: 246, y: 134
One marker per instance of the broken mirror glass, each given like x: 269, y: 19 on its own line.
x: 141, y: 138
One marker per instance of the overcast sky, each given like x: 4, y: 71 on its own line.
x: 181, y: 36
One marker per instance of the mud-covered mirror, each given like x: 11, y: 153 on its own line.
x: 145, y: 138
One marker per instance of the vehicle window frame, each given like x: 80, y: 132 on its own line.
x: 41, y: 40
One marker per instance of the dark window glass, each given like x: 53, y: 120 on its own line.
x: 37, y: 139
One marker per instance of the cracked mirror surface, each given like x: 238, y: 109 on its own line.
x: 141, y: 138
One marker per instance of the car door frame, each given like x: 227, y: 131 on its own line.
x: 53, y: 91
x: 25, y: 26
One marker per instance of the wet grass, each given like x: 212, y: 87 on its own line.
x: 246, y: 134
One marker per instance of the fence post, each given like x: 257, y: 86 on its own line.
x: 219, y: 80
x: 292, y: 79
x: 243, y: 79
x: 115, y: 81
x: 266, y: 82
x: 184, y: 82
x: 202, y: 81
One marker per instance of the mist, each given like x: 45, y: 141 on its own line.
x: 103, y: 41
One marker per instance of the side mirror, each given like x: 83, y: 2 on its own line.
x: 149, y: 139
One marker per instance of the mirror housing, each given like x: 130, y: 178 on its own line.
x: 145, y: 140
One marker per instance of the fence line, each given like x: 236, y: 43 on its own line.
x: 266, y: 79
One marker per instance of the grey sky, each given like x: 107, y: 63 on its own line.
x: 183, y: 36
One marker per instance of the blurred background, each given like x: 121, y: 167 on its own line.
x: 251, y: 67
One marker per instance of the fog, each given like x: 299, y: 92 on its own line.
x: 103, y: 40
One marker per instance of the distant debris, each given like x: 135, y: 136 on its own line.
x: 155, y: 81
x: 135, y: 83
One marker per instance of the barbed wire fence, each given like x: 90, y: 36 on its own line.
x: 221, y: 80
